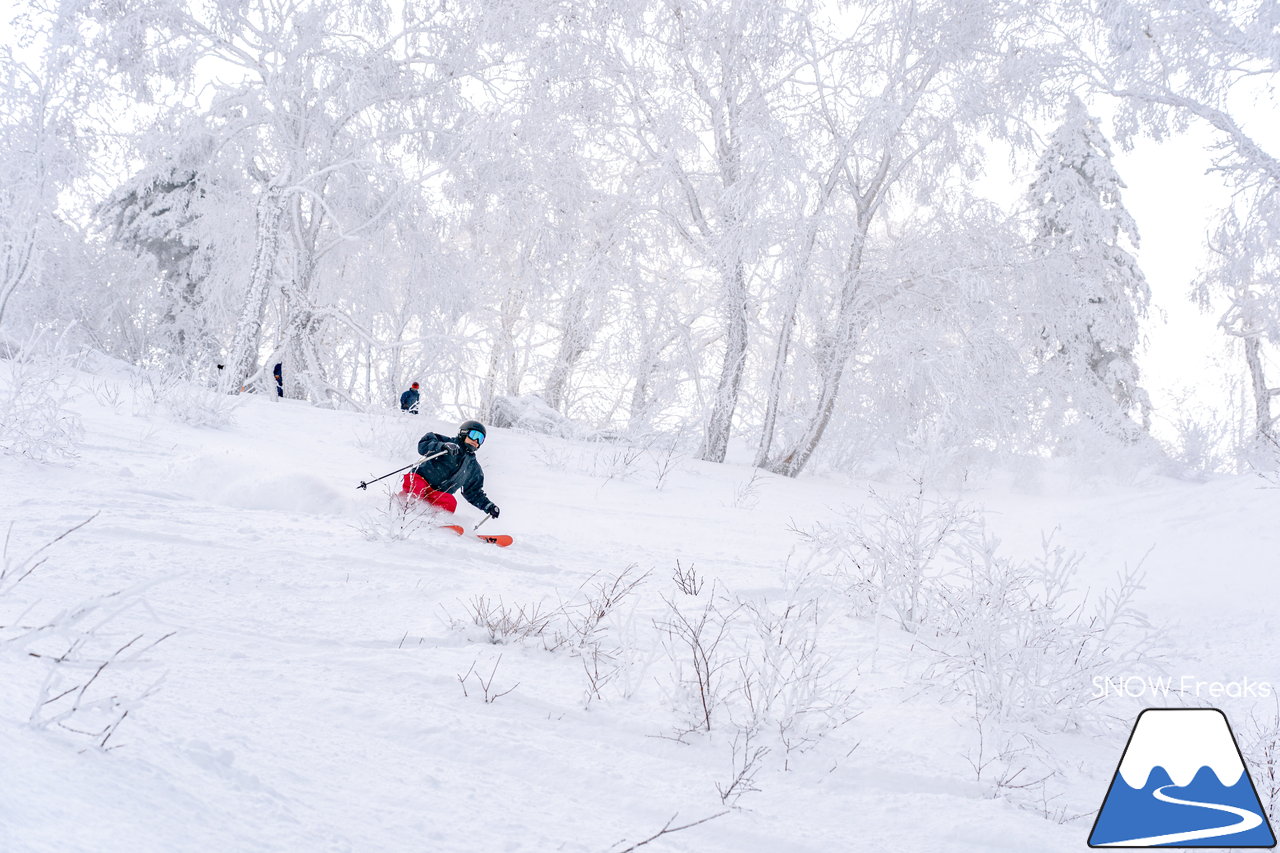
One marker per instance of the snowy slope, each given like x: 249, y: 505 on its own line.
x: 312, y: 695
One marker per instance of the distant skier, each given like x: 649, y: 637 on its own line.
x: 278, y: 373
x: 409, y: 399
x: 455, y: 468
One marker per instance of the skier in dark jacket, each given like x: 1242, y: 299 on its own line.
x: 434, y: 480
x: 409, y: 399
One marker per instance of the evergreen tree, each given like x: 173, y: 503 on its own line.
x: 153, y: 214
x: 1089, y: 291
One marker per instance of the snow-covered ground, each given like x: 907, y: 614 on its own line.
x: 322, y: 687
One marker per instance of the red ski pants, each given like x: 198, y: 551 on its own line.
x: 420, y: 489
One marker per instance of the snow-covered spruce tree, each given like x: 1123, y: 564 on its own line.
x: 168, y: 212
x: 1087, y: 295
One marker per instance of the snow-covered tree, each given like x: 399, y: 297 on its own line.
x: 1088, y: 295
x: 1171, y: 63
x: 42, y: 151
x: 702, y: 87
x: 332, y: 109
x: 1244, y: 269
x: 897, y: 104
x: 174, y: 212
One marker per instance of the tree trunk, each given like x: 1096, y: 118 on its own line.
x: 17, y: 267
x: 782, y: 352
x: 576, y: 341
x: 715, y: 443
x: 242, y: 363
x: 835, y: 354
x: 1262, y: 420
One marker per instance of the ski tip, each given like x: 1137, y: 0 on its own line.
x: 501, y: 540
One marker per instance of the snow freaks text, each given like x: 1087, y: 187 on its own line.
x: 1139, y: 686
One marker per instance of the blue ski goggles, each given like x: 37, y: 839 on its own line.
x: 475, y: 435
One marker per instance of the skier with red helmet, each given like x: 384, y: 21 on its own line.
x: 409, y: 399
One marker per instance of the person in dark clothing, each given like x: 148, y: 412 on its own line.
x: 278, y: 373
x: 456, y: 467
x: 409, y: 399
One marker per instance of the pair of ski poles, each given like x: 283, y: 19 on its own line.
x: 415, y: 463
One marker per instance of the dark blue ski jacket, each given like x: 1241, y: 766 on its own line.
x: 457, y: 469
x: 409, y: 401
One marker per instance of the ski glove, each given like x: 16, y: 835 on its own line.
x: 493, y: 511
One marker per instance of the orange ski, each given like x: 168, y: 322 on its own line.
x: 502, y: 541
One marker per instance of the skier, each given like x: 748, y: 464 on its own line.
x: 455, y: 468
x: 278, y: 373
x: 409, y: 399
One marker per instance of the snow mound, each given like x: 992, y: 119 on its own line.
x: 224, y: 480
x: 530, y: 413
x: 291, y: 492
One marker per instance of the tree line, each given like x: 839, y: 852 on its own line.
x: 742, y: 220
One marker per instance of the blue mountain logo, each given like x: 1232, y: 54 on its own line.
x: 1182, y: 783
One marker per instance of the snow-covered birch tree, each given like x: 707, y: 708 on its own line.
x: 702, y: 85
x: 896, y: 103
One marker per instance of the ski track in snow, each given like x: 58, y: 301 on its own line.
x: 312, y: 697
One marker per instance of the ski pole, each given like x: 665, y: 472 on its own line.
x: 364, y: 485
x: 482, y: 521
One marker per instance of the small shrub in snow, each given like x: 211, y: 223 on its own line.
x: 200, y: 407
x: 93, y: 664
x: 396, y: 519
x: 1260, y: 744
x: 747, y: 493
x: 488, y: 691
x: 785, y: 684
x: 894, y: 559
x: 151, y: 390
x: 583, y: 619
x: 687, y: 580
x: 1025, y: 646
x: 695, y: 642
x: 507, y: 623
x: 605, y: 460
x: 583, y: 628
x: 107, y: 393
x: 388, y: 434
x: 1204, y: 444
x: 747, y: 758
x: 667, y: 829
x: 36, y: 420
x: 577, y: 626
x: 667, y: 459
x: 162, y: 392
x: 1012, y: 639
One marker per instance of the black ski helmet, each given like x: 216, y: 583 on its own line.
x: 466, y: 427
